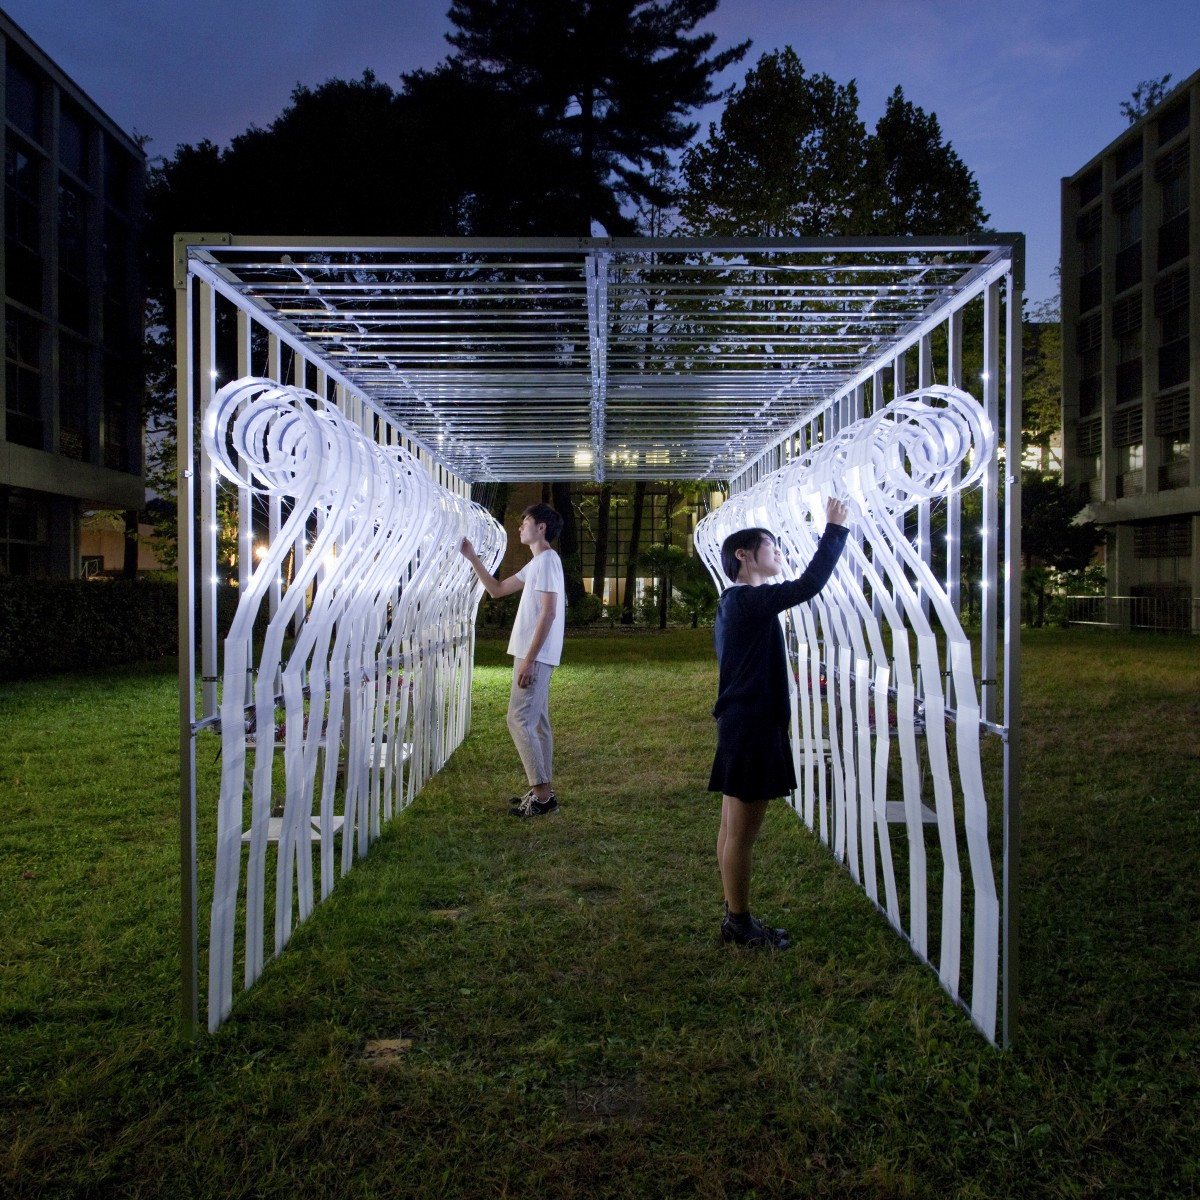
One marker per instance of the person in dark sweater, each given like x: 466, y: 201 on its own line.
x: 753, y: 762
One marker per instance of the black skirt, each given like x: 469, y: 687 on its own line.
x: 754, y: 757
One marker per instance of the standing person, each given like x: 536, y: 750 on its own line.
x: 754, y: 754
x: 536, y: 647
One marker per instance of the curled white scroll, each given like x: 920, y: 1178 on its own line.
x: 366, y: 656
x: 852, y: 650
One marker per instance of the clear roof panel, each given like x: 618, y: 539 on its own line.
x: 597, y: 358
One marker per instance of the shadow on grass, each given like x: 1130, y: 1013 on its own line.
x: 556, y: 1014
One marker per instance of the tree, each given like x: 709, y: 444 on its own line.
x: 1051, y: 536
x: 1041, y: 387
x: 917, y: 184
x: 1147, y: 94
x: 611, y: 81
x: 698, y: 592
x: 631, y: 558
x: 791, y: 157
x: 600, y: 567
x: 665, y: 561
x: 568, y: 542
x: 785, y: 159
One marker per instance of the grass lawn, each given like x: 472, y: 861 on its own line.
x: 488, y: 1007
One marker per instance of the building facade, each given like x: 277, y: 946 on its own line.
x: 70, y: 419
x: 1131, y: 359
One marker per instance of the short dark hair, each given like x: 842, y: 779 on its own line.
x: 744, y: 539
x: 543, y: 514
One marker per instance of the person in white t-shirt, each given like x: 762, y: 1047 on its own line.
x: 536, y: 647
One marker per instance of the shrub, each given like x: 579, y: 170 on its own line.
x: 587, y: 610
x: 498, y: 614
x: 49, y: 625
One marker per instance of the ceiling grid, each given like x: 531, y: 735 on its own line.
x: 593, y: 359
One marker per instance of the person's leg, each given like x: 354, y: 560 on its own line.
x: 740, y: 822
x: 529, y: 724
x: 542, y: 732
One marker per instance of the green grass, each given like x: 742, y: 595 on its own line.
x: 569, y: 1026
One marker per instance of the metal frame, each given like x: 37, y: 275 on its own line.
x: 595, y: 359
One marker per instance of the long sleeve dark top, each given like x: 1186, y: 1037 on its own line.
x: 750, y: 650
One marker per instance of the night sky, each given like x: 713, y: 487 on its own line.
x: 1027, y: 91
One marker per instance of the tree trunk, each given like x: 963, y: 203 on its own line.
x: 130, y: 565
x: 664, y: 599
x: 635, y: 537
x: 568, y: 543
x: 600, y: 571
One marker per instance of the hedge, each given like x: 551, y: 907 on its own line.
x: 52, y: 625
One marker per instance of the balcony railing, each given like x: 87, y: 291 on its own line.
x: 1174, y: 475
x: 1164, y: 614
x: 1131, y: 483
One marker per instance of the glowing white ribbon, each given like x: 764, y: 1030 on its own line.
x: 377, y: 680
x: 921, y: 447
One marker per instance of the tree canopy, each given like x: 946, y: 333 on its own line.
x: 791, y: 156
x: 611, y: 83
x: 1144, y: 97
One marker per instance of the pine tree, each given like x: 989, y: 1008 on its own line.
x: 610, y: 81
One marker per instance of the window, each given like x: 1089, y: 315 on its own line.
x: 1173, y: 241
x: 23, y: 94
x: 1163, y: 539
x: 1172, y: 424
x: 22, y: 222
x: 115, y: 413
x: 22, y: 194
x: 72, y: 398
x: 73, y: 257
x: 1087, y: 342
x: 1176, y: 449
x: 1174, y: 196
x: 24, y: 533
x: 1128, y: 157
x: 1129, y: 226
x: 1090, y: 186
x: 1171, y: 413
x: 1130, y: 458
x: 1129, y: 346
x: 1127, y: 427
x: 1174, y: 325
x: 1171, y: 303
x: 1173, y: 122
x: 118, y: 185
x: 73, y: 142
x: 23, y: 378
x: 1089, y: 447
x: 1089, y: 252
x: 1131, y: 475
x: 1127, y: 206
x: 72, y: 230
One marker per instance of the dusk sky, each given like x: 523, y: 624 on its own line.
x: 1026, y: 90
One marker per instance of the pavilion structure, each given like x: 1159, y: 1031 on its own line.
x: 348, y: 393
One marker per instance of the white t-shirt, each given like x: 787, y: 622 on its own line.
x: 543, y: 573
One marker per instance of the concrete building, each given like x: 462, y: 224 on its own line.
x: 1131, y: 359
x: 70, y: 418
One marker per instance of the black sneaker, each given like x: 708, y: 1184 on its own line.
x: 760, y: 937
x: 530, y: 806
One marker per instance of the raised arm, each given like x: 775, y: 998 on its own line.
x: 816, y: 575
x: 493, y: 586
